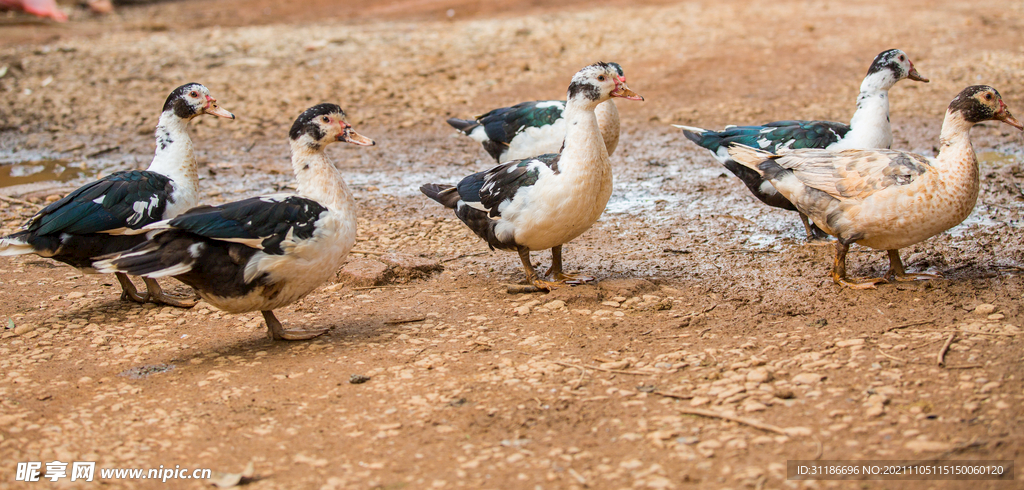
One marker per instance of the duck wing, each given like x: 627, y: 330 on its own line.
x: 122, y: 200
x: 273, y: 224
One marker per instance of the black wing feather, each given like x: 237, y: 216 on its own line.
x: 267, y: 218
x: 129, y: 199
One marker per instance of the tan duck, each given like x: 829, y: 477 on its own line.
x: 886, y: 199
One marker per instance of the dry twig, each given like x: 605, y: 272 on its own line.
x: 907, y: 325
x: 405, y: 320
x: 740, y: 420
x: 595, y: 368
x: 945, y: 347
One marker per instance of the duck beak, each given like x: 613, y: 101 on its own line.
x: 621, y: 90
x: 215, y: 110
x: 350, y: 136
x: 914, y: 75
x: 1005, y: 116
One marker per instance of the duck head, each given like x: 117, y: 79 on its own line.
x: 194, y: 99
x: 979, y: 103
x: 600, y: 82
x: 891, y: 66
x: 324, y: 124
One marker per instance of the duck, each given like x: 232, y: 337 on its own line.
x: 103, y: 216
x: 885, y: 199
x: 264, y: 252
x: 869, y: 128
x: 529, y: 129
x: 544, y: 202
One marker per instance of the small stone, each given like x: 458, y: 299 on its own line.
x: 848, y: 343
x: 985, y: 309
x: 807, y: 378
x: 759, y: 375
x: 23, y: 329
x: 613, y: 304
x: 996, y: 316
x: 363, y: 273
x: 699, y: 400
x: 754, y: 406
x: 709, y: 444
x: 971, y: 406
x: 797, y: 431
x: 84, y: 380
x: 930, y: 446
x: 784, y: 394
x: 875, y: 410
x: 405, y: 266
x: 358, y: 379
x: 522, y: 310
x: 987, y: 387
x: 623, y: 364
x: 555, y: 305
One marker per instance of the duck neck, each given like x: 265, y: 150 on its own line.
x: 318, y: 179
x: 608, y: 120
x: 583, y: 141
x: 955, y: 141
x: 175, y: 157
x: 869, y: 126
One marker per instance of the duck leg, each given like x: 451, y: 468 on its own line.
x: 531, y: 274
x: 896, y: 270
x: 128, y: 290
x: 815, y: 236
x: 839, y: 270
x: 156, y: 294
x: 556, y: 269
x: 278, y: 332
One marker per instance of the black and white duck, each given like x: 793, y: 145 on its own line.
x: 264, y: 252
x: 544, y: 202
x: 528, y: 129
x: 99, y: 217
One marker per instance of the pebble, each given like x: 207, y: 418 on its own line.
x: 798, y: 431
x: 699, y: 400
x: 985, y: 309
x: 358, y: 379
x: 875, y: 410
x: 807, y: 378
x: 759, y: 375
x: 922, y: 446
x: 848, y: 343
x: 555, y: 305
x: 754, y: 406
x: 987, y: 387
x: 23, y: 329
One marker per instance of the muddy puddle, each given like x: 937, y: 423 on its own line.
x: 40, y: 171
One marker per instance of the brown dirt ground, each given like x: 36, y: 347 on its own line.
x: 704, y: 294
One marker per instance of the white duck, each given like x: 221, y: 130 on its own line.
x: 885, y: 199
x: 545, y: 202
x: 528, y: 129
x: 264, y: 252
x: 99, y: 217
x: 869, y: 128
